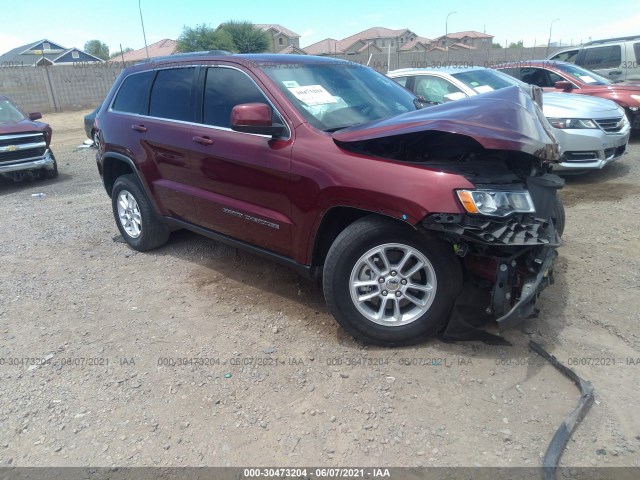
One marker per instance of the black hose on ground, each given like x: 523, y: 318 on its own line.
x: 569, y: 424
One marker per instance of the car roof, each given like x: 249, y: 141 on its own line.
x: 533, y: 63
x: 422, y: 71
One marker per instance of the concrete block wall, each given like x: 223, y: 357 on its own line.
x: 74, y: 87
x: 59, y: 88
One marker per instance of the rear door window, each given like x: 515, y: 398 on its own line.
x: 602, y: 57
x: 134, y: 93
x: 171, y: 95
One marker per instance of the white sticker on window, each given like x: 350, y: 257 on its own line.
x: 313, y: 95
x: 587, y: 79
x: 483, y: 89
x: 290, y: 83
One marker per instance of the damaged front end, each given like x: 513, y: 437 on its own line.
x: 507, y: 227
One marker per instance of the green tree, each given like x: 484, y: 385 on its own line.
x: 247, y: 38
x: 119, y: 53
x: 516, y: 45
x: 97, y: 49
x: 203, y: 38
x: 496, y: 45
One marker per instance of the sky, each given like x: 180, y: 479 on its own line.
x: 117, y: 22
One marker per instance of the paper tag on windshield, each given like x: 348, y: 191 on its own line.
x: 587, y: 79
x: 313, y: 95
x: 483, y: 89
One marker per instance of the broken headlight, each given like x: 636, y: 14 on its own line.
x: 497, y: 203
x: 564, y: 123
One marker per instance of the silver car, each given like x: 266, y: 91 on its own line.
x: 591, y: 131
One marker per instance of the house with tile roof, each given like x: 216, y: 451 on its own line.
x: 281, y: 39
x: 45, y: 52
x: 161, y: 48
x: 372, y: 40
x: 464, y: 40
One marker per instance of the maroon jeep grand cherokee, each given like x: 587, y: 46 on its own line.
x: 332, y: 168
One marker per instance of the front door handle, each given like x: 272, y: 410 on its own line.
x: 139, y: 128
x: 203, y: 140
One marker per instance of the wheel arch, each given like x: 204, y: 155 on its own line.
x: 115, y: 165
x: 334, y: 221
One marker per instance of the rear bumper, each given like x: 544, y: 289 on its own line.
x: 45, y: 161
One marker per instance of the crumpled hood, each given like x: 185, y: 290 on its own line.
x: 505, y: 119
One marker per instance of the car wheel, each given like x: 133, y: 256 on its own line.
x: 558, y: 215
x: 50, y: 173
x: 136, y: 218
x: 389, y: 285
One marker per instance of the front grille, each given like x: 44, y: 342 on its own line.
x: 13, y: 157
x: 611, y: 125
x: 578, y: 157
x: 21, y: 139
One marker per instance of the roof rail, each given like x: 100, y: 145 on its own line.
x: 609, y: 40
x: 177, y: 56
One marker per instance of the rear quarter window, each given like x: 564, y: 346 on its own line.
x: 133, y: 93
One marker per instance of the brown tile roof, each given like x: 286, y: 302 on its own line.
x: 279, y: 28
x: 370, y: 33
x: 468, y: 33
x: 328, y: 45
x: 425, y: 42
x: 159, y: 49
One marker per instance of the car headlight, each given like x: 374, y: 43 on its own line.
x: 565, y: 123
x: 497, y: 203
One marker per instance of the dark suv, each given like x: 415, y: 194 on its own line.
x: 337, y: 171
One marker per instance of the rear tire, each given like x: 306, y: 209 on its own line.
x: 135, y: 217
x: 389, y: 285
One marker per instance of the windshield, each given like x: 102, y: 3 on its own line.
x: 335, y: 95
x: 585, y: 76
x: 483, y: 81
x: 9, y: 113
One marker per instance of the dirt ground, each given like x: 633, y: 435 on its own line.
x: 270, y: 380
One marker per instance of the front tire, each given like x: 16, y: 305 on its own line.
x: 135, y: 217
x: 558, y: 215
x: 389, y: 285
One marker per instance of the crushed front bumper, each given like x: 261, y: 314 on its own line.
x: 32, y: 163
x: 532, y: 286
x: 513, y: 256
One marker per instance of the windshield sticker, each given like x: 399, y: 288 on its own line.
x: 587, y: 78
x: 313, y: 95
x: 474, y: 84
x: 483, y: 89
x: 290, y: 83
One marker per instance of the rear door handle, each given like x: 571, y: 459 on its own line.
x: 203, y: 140
x: 139, y: 128
x: 615, y: 72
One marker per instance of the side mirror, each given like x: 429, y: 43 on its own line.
x: 255, y: 118
x: 35, y: 116
x: 564, y: 86
x: 452, y: 97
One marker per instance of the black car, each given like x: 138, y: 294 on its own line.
x: 89, y: 120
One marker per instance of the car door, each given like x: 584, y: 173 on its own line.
x: 242, y: 181
x: 155, y: 107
